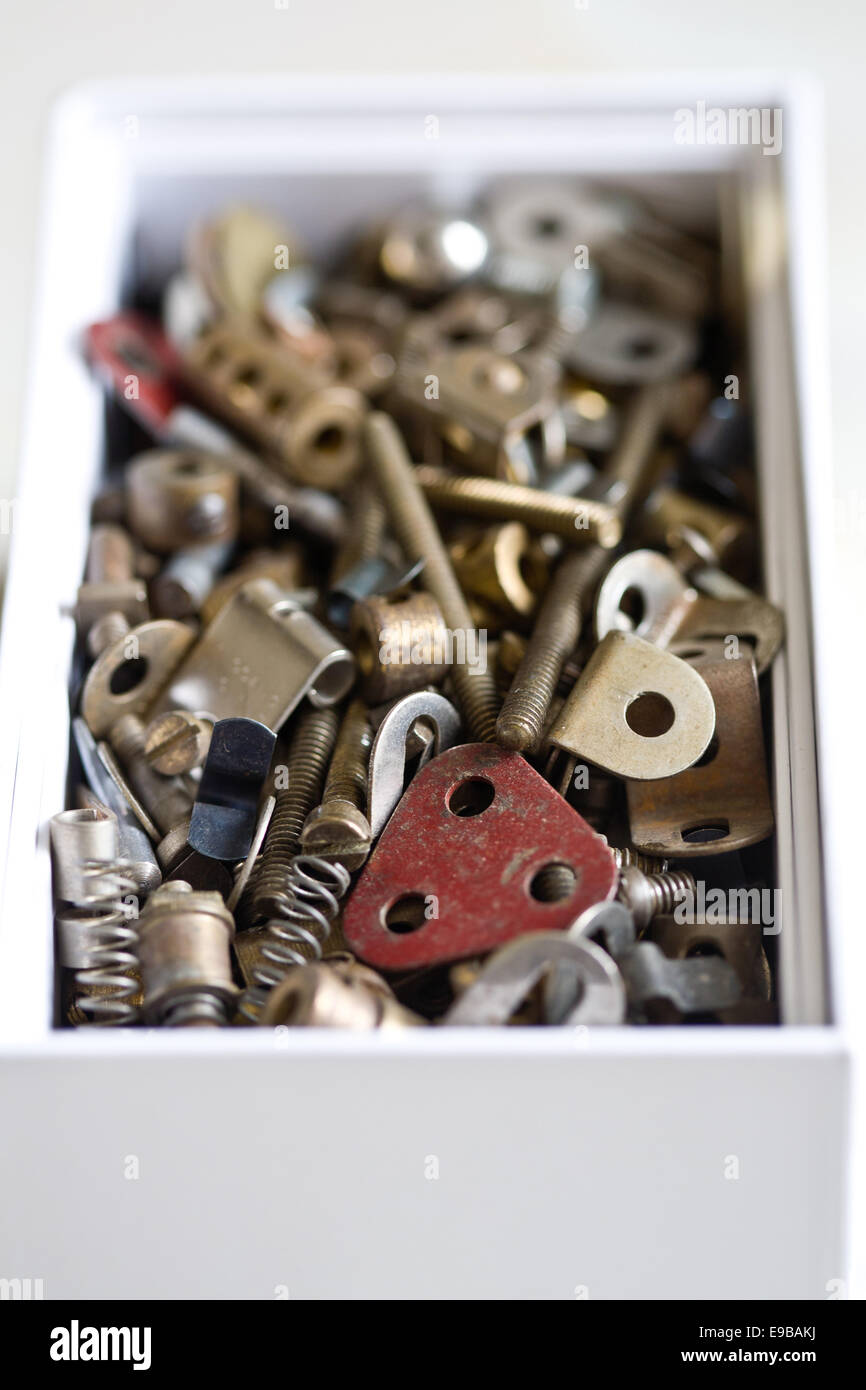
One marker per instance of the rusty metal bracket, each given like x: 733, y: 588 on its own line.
x: 482, y: 849
x: 486, y: 406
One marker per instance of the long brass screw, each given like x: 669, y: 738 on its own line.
x: 310, y: 747
x: 577, y: 520
x: 419, y: 536
x: 554, y: 638
x: 338, y: 828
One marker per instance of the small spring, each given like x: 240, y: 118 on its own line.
x: 107, y: 980
x: 313, y: 889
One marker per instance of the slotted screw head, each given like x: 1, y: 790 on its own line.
x: 176, y: 742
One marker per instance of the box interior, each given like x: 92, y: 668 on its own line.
x: 148, y: 182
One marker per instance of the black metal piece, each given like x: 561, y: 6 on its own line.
x: 224, y: 816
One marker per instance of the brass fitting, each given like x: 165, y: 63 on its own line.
x: 177, y: 498
x: 338, y: 994
x: 185, y: 956
x: 400, y: 644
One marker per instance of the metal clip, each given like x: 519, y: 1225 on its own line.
x: 387, y: 767
x: 636, y: 711
x: 645, y: 593
x: 259, y: 656
x: 223, y: 820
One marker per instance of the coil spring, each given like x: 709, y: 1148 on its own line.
x: 313, y: 889
x: 107, y: 981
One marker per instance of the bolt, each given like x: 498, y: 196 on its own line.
x: 554, y: 638
x: 177, y: 742
x: 419, y: 536
x: 111, y: 597
x: 338, y: 828
x: 634, y: 465
x: 110, y: 556
x: 577, y: 520
x: 653, y: 895
x: 309, y: 749
x: 166, y: 799
x: 189, y: 576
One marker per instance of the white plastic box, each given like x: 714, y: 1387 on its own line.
x: 513, y: 1163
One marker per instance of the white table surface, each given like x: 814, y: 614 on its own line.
x: 50, y: 45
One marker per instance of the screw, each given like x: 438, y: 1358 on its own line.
x: 419, y: 536
x: 111, y: 597
x: 110, y: 556
x: 166, y: 799
x: 554, y: 638
x: 577, y: 520
x: 653, y: 895
x: 338, y: 828
x: 634, y: 464
x: 309, y: 750
x: 181, y: 588
x: 176, y: 742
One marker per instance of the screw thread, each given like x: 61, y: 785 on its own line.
x: 578, y: 520
x: 364, y: 541
x: 556, y: 632
x: 347, y: 774
x: 309, y: 749
x: 419, y: 536
x: 653, y: 895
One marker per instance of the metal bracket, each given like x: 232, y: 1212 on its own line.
x: 128, y: 675
x: 636, y: 711
x: 258, y: 658
x: 662, y: 990
x: 482, y: 849
x: 723, y: 802
x: 670, y: 612
x: 596, y: 994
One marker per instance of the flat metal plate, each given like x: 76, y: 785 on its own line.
x: 467, y: 842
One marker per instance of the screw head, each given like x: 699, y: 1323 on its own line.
x: 176, y: 742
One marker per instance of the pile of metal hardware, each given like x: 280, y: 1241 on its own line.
x: 421, y: 658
